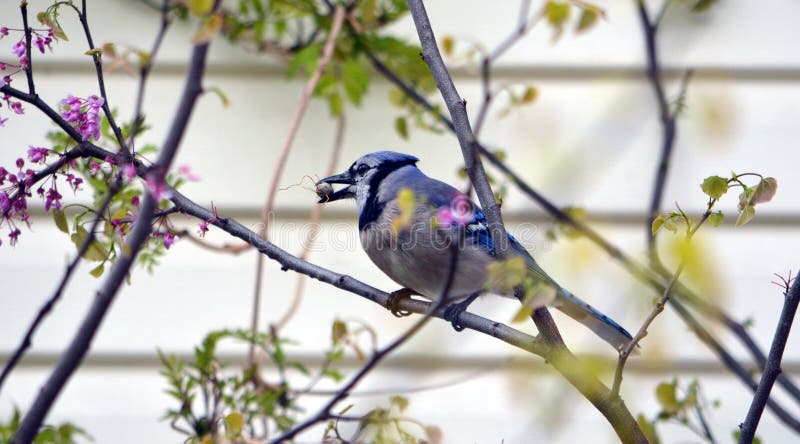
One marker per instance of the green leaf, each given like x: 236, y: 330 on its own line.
x: 667, y: 398
x: 401, y: 126
x: 649, y: 429
x: 305, y: 59
x: 447, y: 45
x: 702, y: 5
x: 529, y: 96
x: 714, y: 186
x: 657, y: 224
x: 200, y: 7
x: 335, y: 104
x: 210, y: 27
x: 588, y: 19
x: 222, y: 96
x: 61, y: 220
x: 338, y: 331
x: 507, y: 274
x: 556, y: 12
x: 98, y: 270
x: 715, y: 219
x: 356, y: 80
x: 746, y: 215
x: 522, y: 315
x: 95, y: 252
x: 234, y: 424
x: 764, y: 191
x: 94, y: 52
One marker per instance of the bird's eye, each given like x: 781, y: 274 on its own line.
x: 361, y: 169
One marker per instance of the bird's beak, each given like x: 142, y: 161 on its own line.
x: 344, y: 193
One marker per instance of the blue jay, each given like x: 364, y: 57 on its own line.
x: 416, y: 257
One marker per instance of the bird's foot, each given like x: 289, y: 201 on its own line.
x: 453, y: 311
x: 395, y: 297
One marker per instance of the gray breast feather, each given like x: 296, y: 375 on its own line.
x: 417, y: 255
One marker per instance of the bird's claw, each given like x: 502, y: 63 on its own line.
x: 394, y: 298
x: 452, y: 312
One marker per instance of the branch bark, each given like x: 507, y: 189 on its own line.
x: 81, y: 342
x: 656, y: 279
x: 609, y: 405
x: 773, y: 367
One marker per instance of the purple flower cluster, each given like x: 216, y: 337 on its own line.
x: 14, y: 193
x: 83, y: 114
x: 41, y: 38
x: 15, y: 189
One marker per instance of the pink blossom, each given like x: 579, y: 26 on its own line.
x: 5, y: 202
x: 157, y: 188
x: 169, y: 239
x: 94, y: 167
x: 19, y: 49
x: 37, y: 155
x: 17, y: 107
x: 13, y: 235
x: 84, y: 115
x: 203, y: 228
x: 53, y: 200
x: 3, y: 121
x: 39, y: 42
x: 129, y: 171
x: 135, y: 201
x: 3, y: 32
x: 186, y: 171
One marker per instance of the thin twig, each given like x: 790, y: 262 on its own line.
x: 325, y: 412
x: 773, y: 367
x: 626, y: 352
x: 302, y: 105
x: 313, y: 222
x: 98, y: 67
x: 659, y: 307
x: 610, y: 406
x: 28, y: 36
x: 523, y: 26
x: 668, y: 125
x: 27, y: 340
x: 144, y: 74
x: 79, y: 346
x: 656, y: 279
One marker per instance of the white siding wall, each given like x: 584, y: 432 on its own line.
x: 591, y: 139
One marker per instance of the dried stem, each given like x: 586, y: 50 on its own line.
x: 302, y: 105
x: 313, y: 222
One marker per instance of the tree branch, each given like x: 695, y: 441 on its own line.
x: 101, y: 84
x: 28, y: 36
x: 656, y: 279
x: 79, y: 346
x: 773, y: 367
x: 27, y: 340
x: 611, y: 406
x: 325, y: 412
